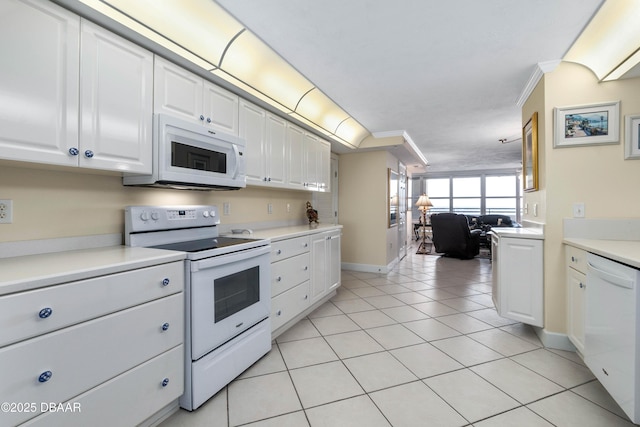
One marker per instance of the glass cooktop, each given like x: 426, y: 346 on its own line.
x: 204, y: 244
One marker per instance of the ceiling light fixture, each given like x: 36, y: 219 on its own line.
x: 203, y: 33
x: 610, y: 43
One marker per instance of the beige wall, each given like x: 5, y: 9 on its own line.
x: 596, y: 175
x: 362, y: 190
x: 54, y: 203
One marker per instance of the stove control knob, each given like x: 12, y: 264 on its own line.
x: 212, y: 213
x: 144, y: 216
x: 205, y: 214
x: 155, y: 216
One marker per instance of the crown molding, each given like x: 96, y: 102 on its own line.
x: 540, y: 69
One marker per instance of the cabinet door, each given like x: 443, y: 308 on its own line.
x: 334, y: 266
x: 319, y: 260
x: 323, y: 162
x: 312, y: 150
x: 116, y: 111
x: 296, y: 157
x: 39, y: 79
x: 177, y: 91
x: 576, y: 282
x: 221, y: 109
x: 276, y: 139
x: 520, y: 281
x: 252, y: 130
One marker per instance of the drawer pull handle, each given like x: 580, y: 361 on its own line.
x: 573, y: 259
x: 306, y: 267
x: 45, y: 376
x: 166, y: 281
x: 165, y: 382
x: 306, y: 297
x: 279, y: 251
x: 45, y: 312
x: 165, y: 327
x: 306, y: 245
x: 239, y: 324
x: 279, y: 312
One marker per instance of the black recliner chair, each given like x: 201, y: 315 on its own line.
x: 452, y: 237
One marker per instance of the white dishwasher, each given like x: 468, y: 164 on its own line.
x: 611, y: 342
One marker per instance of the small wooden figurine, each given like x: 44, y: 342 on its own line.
x: 312, y: 214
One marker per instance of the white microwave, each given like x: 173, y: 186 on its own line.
x: 188, y: 155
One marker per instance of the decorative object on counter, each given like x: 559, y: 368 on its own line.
x: 592, y: 124
x: 312, y: 214
x: 632, y: 137
x: 530, y: 154
x: 423, y: 204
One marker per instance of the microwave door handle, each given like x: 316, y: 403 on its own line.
x: 236, y: 153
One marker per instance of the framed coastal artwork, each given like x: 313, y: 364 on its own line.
x: 632, y: 137
x: 530, y: 154
x: 592, y: 124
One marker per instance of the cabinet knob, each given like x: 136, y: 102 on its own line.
x: 279, y: 279
x: 306, y: 267
x: 306, y: 297
x: 279, y: 251
x: 165, y: 281
x: 306, y: 245
x: 74, y: 151
x: 45, y: 376
x: 208, y: 119
x: 573, y: 259
x: 45, y: 312
x: 88, y: 154
x: 279, y: 313
x: 165, y: 326
x: 201, y: 117
x: 165, y: 382
x: 581, y: 285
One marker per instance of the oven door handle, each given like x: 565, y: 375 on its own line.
x: 229, y: 258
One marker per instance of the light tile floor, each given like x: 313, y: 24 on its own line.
x: 419, y: 346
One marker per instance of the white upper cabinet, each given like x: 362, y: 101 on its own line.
x: 183, y: 94
x: 317, y: 161
x: 276, y: 148
x: 116, y: 104
x: 253, y: 131
x: 296, y: 158
x: 40, y: 45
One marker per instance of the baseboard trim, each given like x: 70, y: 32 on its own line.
x: 554, y: 339
x: 365, y: 268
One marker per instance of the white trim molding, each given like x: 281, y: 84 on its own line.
x: 540, y: 70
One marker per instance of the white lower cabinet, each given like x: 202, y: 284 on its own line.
x: 518, y: 287
x: 576, y: 268
x: 325, y: 264
x: 305, y: 272
x: 101, y: 343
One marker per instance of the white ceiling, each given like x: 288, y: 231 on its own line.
x: 448, y: 72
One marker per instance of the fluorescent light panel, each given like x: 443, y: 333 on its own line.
x: 610, y: 40
x: 202, y: 32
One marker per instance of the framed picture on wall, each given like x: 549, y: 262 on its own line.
x: 592, y: 124
x: 632, y: 137
x: 530, y: 154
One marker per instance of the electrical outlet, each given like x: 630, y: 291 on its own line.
x: 226, y: 208
x: 269, y: 208
x: 535, y: 209
x: 578, y: 210
x: 288, y: 207
x: 6, y: 211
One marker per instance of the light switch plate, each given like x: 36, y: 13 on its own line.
x: 578, y: 210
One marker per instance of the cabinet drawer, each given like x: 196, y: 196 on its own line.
x: 288, y: 273
x: 28, y: 314
x: 289, y: 304
x: 576, y: 258
x: 80, y: 357
x: 118, y: 401
x: 288, y: 248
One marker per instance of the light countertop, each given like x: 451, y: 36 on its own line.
x: 276, y: 234
x: 624, y: 251
x: 519, y: 232
x: 29, y: 272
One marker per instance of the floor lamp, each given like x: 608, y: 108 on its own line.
x: 423, y: 204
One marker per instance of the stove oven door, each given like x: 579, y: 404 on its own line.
x: 228, y: 295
